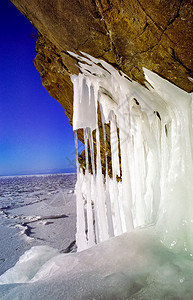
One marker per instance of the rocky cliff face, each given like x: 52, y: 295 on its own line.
x: 129, y: 34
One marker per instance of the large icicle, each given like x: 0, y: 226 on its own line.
x: 90, y: 223
x: 80, y: 224
x: 151, y: 136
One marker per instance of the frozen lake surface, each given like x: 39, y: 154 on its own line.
x: 36, y: 210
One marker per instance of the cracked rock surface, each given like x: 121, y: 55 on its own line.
x: 129, y: 34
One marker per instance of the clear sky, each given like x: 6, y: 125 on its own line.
x: 34, y: 132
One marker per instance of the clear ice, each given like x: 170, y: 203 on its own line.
x: 152, y: 128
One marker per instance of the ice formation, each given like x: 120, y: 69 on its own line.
x: 151, y: 130
x: 134, y: 265
x: 151, y: 151
x: 28, y: 265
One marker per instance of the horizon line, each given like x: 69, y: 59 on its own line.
x: 43, y: 172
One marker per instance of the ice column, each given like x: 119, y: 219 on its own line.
x: 151, y: 138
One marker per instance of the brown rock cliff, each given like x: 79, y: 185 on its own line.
x: 129, y: 34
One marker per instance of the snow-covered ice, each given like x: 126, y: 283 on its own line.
x: 134, y: 265
x: 38, y: 211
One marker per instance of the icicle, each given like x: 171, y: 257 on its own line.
x: 80, y: 223
x: 114, y: 147
x: 93, y: 186
x: 123, y: 125
x: 111, y: 230
x: 115, y: 172
x: 84, y: 105
x: 156, y: 147
x: 140, y: 208
x: 101, y: 208
x: 107, y: 196
x: 90, y: 223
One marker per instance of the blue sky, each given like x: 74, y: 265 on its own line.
x: 34, y: 132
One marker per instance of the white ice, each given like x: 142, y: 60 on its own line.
x: 149, y: 212
x: 134, y: 265
x: 156, y: 147
x: 28, y: 265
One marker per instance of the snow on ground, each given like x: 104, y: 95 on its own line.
x: 35, y: 211
x: 132, y: 266
x: 52, y: 222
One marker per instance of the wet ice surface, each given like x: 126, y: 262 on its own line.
x: 35, y: 210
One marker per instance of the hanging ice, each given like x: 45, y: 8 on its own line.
x: 153, y: 131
